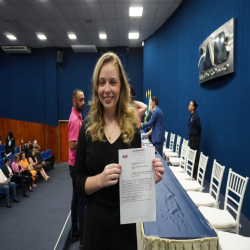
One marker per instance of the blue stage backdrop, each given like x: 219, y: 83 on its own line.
x: 170, y: 70
x: 35, y: 89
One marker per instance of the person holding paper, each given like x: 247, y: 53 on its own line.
x: 111, y: 125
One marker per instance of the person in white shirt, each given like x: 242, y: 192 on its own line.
x: 5, y: 185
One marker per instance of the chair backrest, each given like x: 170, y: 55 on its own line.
x: 216, y: 179
x: 1, y: 147
x: 11, y: 158
x: 43, y: 154
x: 166, y: 138
x: 184, y: 153
x: 177, y: 147
x: 190, y: 162
x: 171, y: 143
x: 202, y: 169
x: 48, y: 152
x: 16, y: 149
x: 185, y: 142
x: 235, y: 191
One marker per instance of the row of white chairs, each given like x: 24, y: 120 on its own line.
x: 208, y: 203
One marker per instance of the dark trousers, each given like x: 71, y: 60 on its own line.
x: 195, y: 145
x: 19, y: 179
x: 78, y: 204
x: 159, y: 147
x: 51, y: 160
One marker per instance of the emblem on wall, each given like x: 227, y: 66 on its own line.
x: 217, y: 53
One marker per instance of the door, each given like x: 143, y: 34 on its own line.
x: 64, y: 144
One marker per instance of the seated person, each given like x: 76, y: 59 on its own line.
x: 28, y: 149
x: 22, y: 146
x: 46, y: 164
x: 14, y: 177
x: 19, y: 170
x: 38, y: 167
x: 25, y: 164
x: 5, y: 185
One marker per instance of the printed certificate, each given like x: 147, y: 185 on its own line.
x: 137, y: 185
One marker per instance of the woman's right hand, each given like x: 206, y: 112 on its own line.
x: 110, y: 175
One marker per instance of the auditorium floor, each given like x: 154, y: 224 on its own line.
x: 36, y: 222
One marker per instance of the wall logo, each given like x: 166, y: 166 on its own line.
x: 217, y: 53
x: 125, y: 156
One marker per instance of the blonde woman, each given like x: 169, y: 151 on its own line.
x: 111, y: 125
x: 29, y: 167
x: 38, y: 167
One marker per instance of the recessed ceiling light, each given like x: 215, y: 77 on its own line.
x: 11, y: 37
x: 135, y: 11
x: 72, y: 36
x: 133, y: 35
x: 42, y: 37
x: 103, y: 36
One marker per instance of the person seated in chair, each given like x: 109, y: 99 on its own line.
x: 46, y: 164
x: 14, y: 177
x: 25, y: 165
x: 22, y: 146
x: 28, y: 149
x: 38, y: 167
x: 6, y: 185
x: 19, y: 170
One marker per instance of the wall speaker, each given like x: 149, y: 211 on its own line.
x: 59, y: 57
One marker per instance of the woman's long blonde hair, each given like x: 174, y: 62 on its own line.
x: 126, y: 115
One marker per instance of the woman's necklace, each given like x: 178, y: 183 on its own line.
x: 109, y: 135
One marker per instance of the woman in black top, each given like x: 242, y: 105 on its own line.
x: 111, y: 125
x: 10, y: 144
x: 194, y: 131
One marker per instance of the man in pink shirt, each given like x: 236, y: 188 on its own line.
x: 78, y: 201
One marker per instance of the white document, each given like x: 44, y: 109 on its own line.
x: 137, y: 185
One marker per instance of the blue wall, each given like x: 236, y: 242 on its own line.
x: 170, y: 70
x: 35, y: 89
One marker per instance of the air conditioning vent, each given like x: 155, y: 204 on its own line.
x: 17, y: 49
x: 84, y: 48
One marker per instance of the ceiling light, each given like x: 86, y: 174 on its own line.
x: 11, y: 37
x: 72, y: 36
x: 42, y: 37
x: 135, y: 11
x: 103, y: 36
x: 133, y: 35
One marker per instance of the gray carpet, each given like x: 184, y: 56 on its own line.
x: 36, y: 222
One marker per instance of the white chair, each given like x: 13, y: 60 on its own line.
x: 188, y: 175
x: 171, y: 144
x: 182, y: 165
x: 175, y: 161
x: 177, y: 147
x: 230, y: 241
x: 222, y: 219
x: 210, y: 199
x: 185, y: 142
x: 166, y: 138
x: 197, y: 185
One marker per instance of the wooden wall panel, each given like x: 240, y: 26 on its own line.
x: 51, y: 140
x: 31, y: 131
x: 46, y: 136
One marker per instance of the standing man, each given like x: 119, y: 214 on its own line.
x: 194, y: 131
x: 156, y: 123
x: 78, y: 201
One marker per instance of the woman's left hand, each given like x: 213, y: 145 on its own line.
x: 159, y: 169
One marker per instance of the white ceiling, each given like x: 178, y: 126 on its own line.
x: 85, y: 18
